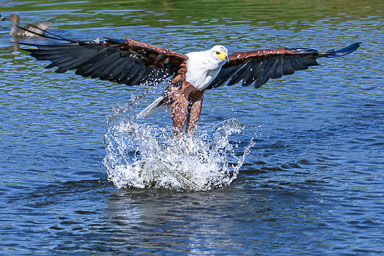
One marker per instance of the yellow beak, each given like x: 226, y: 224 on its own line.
x: 222, y: 55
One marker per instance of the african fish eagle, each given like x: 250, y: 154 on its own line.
x: 131, y: 62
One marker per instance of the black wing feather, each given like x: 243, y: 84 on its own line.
x: 279, y: 71
x: 259, y: 66
x: 239, y: 74
x: 251, y: 76
x: 118, y: 60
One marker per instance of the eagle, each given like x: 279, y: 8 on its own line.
x: 131, y: 62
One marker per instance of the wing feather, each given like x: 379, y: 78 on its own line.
x: 255, y: 70
x: 135, y: 75
x: 265, y: 74
x: 259, y: 66
x: 70, y: 61
x: 278, y: 72
x: 118, y: 60
x: 239, y: 74
x: 288, y: 66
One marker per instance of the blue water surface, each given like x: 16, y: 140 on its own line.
x: 312, y: 184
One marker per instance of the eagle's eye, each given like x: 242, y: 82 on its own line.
x: 218, y: 53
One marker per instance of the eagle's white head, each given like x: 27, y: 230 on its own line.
x: 219, y: 53
x: 203, y: 67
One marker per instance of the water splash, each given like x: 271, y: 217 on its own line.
x: 141, y: 156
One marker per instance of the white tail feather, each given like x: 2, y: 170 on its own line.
x: 151, y: 108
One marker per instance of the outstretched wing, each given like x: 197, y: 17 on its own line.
x: 124, y: 61
x: 259, y: 66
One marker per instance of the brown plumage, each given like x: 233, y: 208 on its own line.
x: 134, y: 63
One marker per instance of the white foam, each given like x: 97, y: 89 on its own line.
x: 141, y: 156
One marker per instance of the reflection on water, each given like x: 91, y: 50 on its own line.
x: 312, y: 183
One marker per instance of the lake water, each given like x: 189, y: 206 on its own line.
x: 312, y: 183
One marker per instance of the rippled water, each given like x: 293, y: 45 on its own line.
x: 312, y: 183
